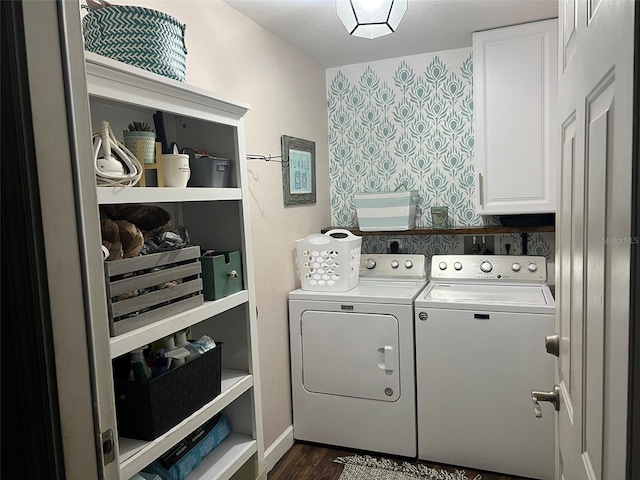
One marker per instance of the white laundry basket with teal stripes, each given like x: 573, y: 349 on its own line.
x: 328, y: 262
x: 146, y: 38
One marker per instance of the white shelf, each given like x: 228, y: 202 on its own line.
x: 137, y: 454
x: 124, y: 83
x: 226, y: 458
x: 107, y: 195
x: 149, y: 333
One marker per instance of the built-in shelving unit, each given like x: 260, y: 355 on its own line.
x: 482, y: 230
x: 216, y: 218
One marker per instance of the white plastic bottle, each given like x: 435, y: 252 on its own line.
x: 175, y: 353
x: 181, y: 341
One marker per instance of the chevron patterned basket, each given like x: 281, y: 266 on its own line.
x: 138, y: 36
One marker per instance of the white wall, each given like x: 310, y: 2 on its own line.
x: 232, y: 56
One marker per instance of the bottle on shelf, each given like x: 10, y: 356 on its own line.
x: 175, y: 353
x: 141, y: 371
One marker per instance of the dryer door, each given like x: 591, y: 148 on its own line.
x: 351, y: 354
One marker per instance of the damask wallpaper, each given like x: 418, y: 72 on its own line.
x: 407, y: 124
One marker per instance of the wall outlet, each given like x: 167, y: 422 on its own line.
x: 396, y: 245
x: 479, y: 244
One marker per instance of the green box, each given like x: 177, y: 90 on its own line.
x: 221, y: 274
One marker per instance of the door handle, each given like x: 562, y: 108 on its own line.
x: 481, y: 190
x: 540, y: 396
x: 389, y: 358
x: 552, y: 344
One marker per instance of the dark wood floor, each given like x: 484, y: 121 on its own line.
x: 314, y: 462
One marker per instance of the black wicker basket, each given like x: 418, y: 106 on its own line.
x: 146, y: 410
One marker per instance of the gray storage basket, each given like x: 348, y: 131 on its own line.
x: 146, y: 38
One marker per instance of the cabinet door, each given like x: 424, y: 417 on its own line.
x: 515, y: 89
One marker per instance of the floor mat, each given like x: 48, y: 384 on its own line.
x: 364, y: 467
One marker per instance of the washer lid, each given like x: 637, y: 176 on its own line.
x: 448, y: 295
x: 401, y: 292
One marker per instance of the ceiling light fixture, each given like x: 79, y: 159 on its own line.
x: 371, y: 18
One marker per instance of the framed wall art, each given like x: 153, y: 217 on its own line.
x: 298, y: 171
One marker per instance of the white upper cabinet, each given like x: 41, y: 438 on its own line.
x: 515, y: 89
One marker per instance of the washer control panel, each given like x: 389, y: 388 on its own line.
x: 392, y: 265
x: 506, y: 268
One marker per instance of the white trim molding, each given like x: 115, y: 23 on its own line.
x: 278, y: 448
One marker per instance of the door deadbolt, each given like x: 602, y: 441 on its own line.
x: 540, y: 396
x: 552, y: 344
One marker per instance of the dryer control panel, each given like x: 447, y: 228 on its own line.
x: 392, y: 265
x: 497, y: 268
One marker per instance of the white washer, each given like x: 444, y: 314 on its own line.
x: 480, y: 350
x: 352, y: 359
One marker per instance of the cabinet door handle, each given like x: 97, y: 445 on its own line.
x: 481, y: 189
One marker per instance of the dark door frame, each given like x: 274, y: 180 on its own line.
x: 31, y: 437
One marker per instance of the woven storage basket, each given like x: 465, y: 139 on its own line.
x: 146, y: 38
x: 146, y: 410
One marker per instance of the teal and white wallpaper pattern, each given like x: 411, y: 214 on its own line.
x: 407, y: 124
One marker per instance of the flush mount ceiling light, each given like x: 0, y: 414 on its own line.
x: 371, y: 18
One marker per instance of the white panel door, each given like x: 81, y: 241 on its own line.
x: 351, y: 354
x: 594, y: 226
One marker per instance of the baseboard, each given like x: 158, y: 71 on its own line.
x: 277, y: 450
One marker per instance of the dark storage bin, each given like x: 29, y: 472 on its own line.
x: 210, y: 172
x: 146, y: 410
x: 221, y: 274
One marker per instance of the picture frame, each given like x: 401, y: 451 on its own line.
x: 298, y: 171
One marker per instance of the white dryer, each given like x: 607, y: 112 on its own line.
x: 480, y: 350
x: 352, y: 359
